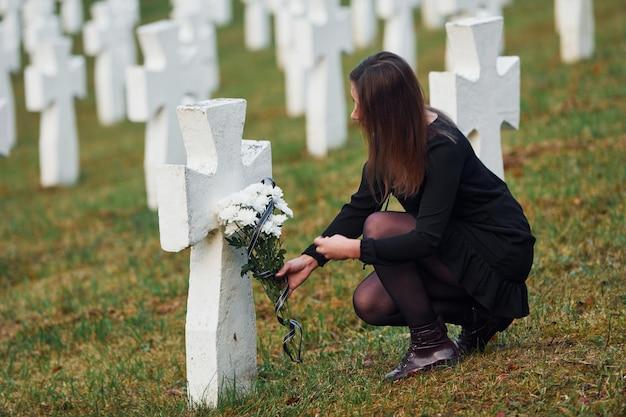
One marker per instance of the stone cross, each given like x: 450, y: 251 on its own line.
x: 5, y: 146
x: 109, y: 37
x: 483, y: 92
x: 323, y: 38
x: 52, y: 82
x: 399, y: 37
x: 12, y: 32
x: 575, y: 25
x: 72, y: 15
x: 222, y: 11
x: 6, y: 94
x: 171, y: 74
x: 257, y: 27
x: 432, y: 18
x: 296, y: 72
x: 220, y: 331
x: 364, y: 23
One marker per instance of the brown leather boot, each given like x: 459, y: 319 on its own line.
x: 475, y: 335
x: 430, y: 347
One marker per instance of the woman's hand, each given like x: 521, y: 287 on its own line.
x: 338, y: 247
x: 297, y: 271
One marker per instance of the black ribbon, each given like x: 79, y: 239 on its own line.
x: 294, y: 326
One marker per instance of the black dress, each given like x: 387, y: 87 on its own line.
x: 465, y: 215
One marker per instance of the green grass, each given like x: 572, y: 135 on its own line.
x: 92, y: 310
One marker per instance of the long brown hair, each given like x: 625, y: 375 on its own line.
x: 393, y: 120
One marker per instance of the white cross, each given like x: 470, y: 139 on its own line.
x: 52, y: 82
x: 108, y: 38
x: 575, y: 25
x: 364, y: 24
x: 12, y: 32
x: 324, y: 36
x: 5, y: 146
x: 484, y: 91
x: 171, y: 73
x: 257, y: 28
x: 6, y: 94
x: 399, y: 37
x: 296, y: 72
x: 72, y: 15
x: 220, y: 331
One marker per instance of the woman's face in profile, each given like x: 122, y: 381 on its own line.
x: 356, y: 112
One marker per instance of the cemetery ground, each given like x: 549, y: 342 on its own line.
x: 92, y: 310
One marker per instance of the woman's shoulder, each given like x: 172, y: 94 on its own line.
x: 443, y: 133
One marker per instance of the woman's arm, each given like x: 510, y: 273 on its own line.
x: 349, y: 222
x: 445, y: 165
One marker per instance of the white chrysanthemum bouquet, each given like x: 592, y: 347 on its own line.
x: 253, y: 219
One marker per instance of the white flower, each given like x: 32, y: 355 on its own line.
x: 228, y: 214
x: 260, y: 203
x: 279, y: 219
x: 246, y: 217
x: 270, y: 228
x: 282, y: 206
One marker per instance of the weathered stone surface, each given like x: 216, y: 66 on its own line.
x: 12, y: 32
x: 220, y: 332
x: 72, y: 15
x: 296, y: 70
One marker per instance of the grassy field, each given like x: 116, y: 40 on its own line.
x: 92, y: 310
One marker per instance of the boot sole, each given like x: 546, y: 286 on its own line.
x: 442, y: 364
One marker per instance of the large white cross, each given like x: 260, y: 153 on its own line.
x: 72, y: 15
x: 257, y: 29
x: 364, y: 23
x: 52, y: 82
x: 171, y: 73
x: 399, y: 37
x: 324, y: 36
x: 575, y: 25
x: 108, y: 37
x: 12, y: 32
x: 220, y: 331
x: 5, y: 146
x: 6, y: 94
x: 483, y: 93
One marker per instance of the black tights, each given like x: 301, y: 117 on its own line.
x: 411, y: 293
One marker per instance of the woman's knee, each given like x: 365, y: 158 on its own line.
x: 384, y: 224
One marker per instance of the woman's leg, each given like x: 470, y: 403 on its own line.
x: 410, y: 286
x: 374, y: 305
